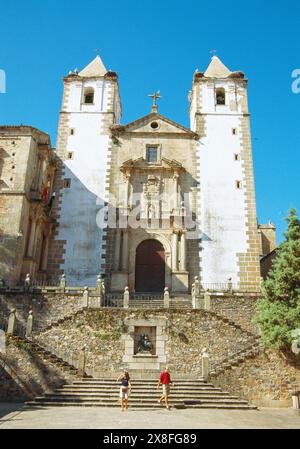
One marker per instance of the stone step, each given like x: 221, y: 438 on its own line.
x: 104, y: 392
x: 175, y: 387
x: 147, y: 401
x: 143, y: 381
x: 142, y: 406
x: 142, y: 397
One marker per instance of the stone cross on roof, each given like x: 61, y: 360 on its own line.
x: 155, y: 97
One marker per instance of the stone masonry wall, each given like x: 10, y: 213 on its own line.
x: 45, y: 306
x: 238, y: 308
x: 265, y: 380
x: 102, y: 332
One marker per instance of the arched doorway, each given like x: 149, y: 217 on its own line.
x: 150, y: 267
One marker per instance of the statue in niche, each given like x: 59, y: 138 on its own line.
x: 150, y: 197
x: 151, y: 211
x: 144, y: 344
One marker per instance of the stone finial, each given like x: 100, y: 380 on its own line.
x: 196, y: 286
x: 207, y: 300
x: 85, y: 297
x: 166, y: 298
x: 99, y: 285
x: 27, y: 282
x: 12, y: 321
x: 62, y: 282
x: 295, y: 399
x: 126, y: 296
x: 29, y: 324
x: 229, y: 285
x: 205, y: 364
x: 296, y: 346
x: 82, y: 362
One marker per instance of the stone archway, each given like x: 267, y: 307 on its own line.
x: 150, y: 266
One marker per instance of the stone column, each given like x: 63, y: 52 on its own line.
x: 117, y: 250
x: 32, y: 238
x: 127, y: 190
x: 174, y: 251
x: 45, y: 254
x: 175, y: 192
x: 183, y: 252
x: 125, y: 251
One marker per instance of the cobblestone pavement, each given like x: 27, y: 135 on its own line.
x: 18, y: 416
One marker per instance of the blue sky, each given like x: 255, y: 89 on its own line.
x: 158, y: 45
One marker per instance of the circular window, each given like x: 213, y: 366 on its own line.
x: 154, y: 125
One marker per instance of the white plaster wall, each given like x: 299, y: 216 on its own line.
x: 221, y: 204
x: 82, y: 201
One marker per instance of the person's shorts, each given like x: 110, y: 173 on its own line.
x: 124, y: 393
x: 166, y: 389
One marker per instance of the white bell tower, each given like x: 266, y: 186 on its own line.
x: 91, y: 104
x: 226, y: 201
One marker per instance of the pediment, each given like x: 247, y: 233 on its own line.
x: 162, y: 124
x: 142, y: 164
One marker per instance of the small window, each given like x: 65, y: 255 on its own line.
x: 220, y: 96
x: 237, y: 157
x: 154, y: 125
x: 72, y: 132
x: 234, y: 131
x: 238, y: 184
x: 152, y: 154
x: 89, y: 95
x: 70, y: 155
x: 67, y: 183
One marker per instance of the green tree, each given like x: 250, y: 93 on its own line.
x: 278, y: 310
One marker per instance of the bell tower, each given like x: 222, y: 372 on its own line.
x: 219, y: 113
x: 90, y: 106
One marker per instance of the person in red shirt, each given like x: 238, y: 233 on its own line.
x: 165, y: 381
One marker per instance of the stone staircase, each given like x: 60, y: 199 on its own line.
x: 104, y: 392
x: 238, y: 358
x: 46, y: 355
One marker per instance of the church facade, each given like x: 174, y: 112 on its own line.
x: 152, y: 204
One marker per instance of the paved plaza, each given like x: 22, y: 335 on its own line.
x: 18, y: 416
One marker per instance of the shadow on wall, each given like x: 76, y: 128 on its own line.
x: 9, y: 248
x: 77, y: 250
